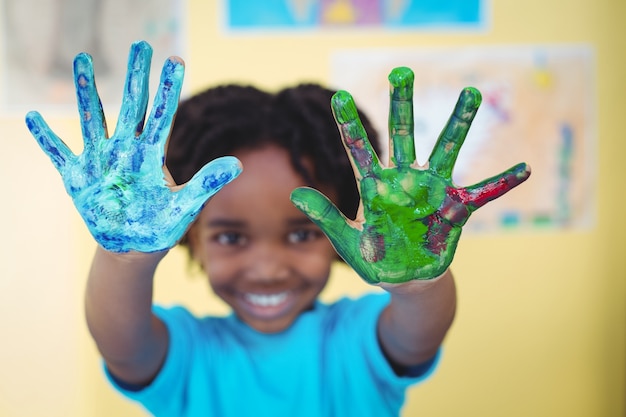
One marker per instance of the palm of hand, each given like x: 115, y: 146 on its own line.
x: 400, y: 207
x: 410, y: 217
x: 118, y: 184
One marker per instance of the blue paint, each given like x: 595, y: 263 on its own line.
x: 137, y: 161
x: 117, y: 184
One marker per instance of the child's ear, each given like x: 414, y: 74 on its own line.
x: 191, y: 241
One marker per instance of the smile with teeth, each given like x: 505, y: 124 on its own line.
x: 266, y: 300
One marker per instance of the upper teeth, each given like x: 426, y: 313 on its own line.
x: 266, y: 300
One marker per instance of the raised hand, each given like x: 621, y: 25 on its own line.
x: 119, y: 184
x: 410, y: 217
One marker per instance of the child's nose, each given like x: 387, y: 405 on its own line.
x: 268, y: 263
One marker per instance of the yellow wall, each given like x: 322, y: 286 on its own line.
x: 541, y: 321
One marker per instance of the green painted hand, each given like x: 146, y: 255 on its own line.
x: 119, y: 184
x: 410, y: 217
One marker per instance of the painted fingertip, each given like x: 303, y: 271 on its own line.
x: 471, y: 98
x: 36, y: 125
x: 141, y: 47
x: 31, y: 116
x: 235, y: 164
x: 33, y: 122
x: 296, y: 196
x: 516, y: 175
x: 401, y: 80
x: 83, y: 64
x: 522, y: 171
x: 301, y: 198
x: 227, y: 168
x: 140, y: 55
x: 343, y: 107
x: 174, y: 68
x: 176, y: 60
x: 83, y: 58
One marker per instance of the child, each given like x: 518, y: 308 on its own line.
x: 282, y: 352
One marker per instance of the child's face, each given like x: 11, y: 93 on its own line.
x: 263, y: 256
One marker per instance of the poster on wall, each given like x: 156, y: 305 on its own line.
x: 256, y: 15
x: 538, y: 105
x: 39, y: 47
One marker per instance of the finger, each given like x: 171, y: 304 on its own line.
x: 362, y: 156
x: 327, y: 217
x: 50, y: 143
x: 206, y: 182
x: 446, y: 150
x: 401, y: 143
x: 480, y: 194
x: 135, y: 97
x: 92, y: 119
x: 159, y: 122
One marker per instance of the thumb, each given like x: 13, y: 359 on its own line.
x: 327, y: 216
x: 208, y: 181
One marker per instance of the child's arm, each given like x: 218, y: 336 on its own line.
x: 118, y: 310
x: 413, y: 325
x: 130, y: 204
x: 409, y: 220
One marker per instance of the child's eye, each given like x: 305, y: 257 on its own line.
x: 230, y: 239
x: 302, y: 235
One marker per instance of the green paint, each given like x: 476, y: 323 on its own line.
x: 353, y: 132
x: 401, y: 117
x: 445, y: 152
x: 412, y: 217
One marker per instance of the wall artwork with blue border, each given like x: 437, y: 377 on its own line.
x: 320, y: 14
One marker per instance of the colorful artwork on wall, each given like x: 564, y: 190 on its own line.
x: 39, y: 47
x: 538, y: 107
x: 323, y: 14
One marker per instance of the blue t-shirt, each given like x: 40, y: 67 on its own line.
x: 328, y: 363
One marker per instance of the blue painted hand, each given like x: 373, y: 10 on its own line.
x: 119, y: 184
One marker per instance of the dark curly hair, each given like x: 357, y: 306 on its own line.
x: 225, y: 119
